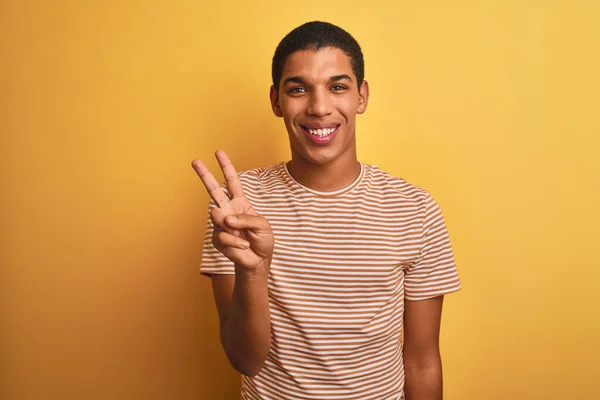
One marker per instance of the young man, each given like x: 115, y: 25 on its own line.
x: 328, y: 274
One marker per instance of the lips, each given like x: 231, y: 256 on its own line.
x: 320, y: 133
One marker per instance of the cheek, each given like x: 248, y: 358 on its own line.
x: 289, y: 123
x: 290, y: 111
x: 348, y: 107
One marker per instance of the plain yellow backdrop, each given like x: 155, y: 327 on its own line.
x: 491, y: 105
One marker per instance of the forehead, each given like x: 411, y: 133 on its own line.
x: 317, y: 64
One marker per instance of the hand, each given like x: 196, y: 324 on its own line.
x: 240, y: 233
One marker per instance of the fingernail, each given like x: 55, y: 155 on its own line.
x: 232, y: 219
x: 245, y: 245
x: 236, y: 233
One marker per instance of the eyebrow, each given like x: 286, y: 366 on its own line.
x: 340, y: 78
x: 299, y: 80
x: 294, y: 79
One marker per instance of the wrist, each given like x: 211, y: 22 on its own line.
x: 259, y: 273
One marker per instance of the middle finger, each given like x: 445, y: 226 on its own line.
x: 212, y: 186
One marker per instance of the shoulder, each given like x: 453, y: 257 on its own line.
x: 386, y: 185
x: 261, y: 172
x: 262, y: 178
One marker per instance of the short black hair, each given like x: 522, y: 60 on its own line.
x: 316, y: 35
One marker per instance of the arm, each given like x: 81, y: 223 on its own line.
x: 243, y: 307
x: 247, y: 240
x: 422, y: 360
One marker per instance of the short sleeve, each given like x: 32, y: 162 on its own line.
x: 213, y: 261
x: 434, y: 271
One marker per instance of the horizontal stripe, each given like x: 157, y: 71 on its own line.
x: 342, y: 268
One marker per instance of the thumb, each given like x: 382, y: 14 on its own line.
x: 254, y: 223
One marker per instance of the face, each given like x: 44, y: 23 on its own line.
x: 318, y: 99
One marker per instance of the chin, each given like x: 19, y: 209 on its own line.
x: 319, y: 157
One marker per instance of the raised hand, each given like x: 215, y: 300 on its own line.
x: 240, y: 233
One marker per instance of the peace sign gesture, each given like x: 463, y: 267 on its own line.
x: 240, y: 233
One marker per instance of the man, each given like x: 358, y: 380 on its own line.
x: 328, y: 274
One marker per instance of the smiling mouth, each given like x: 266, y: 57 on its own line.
x: 321, y: 132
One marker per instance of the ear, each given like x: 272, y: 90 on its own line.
x: 363, y: 97
x: 274, y: 95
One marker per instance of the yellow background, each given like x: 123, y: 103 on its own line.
x: 491, y: 105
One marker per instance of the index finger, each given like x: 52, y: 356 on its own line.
x: 212, y: 186
x: 231, y: 177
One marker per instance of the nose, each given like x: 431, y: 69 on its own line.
x: 320, y: 104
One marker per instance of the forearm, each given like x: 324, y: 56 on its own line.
x: 246, y: 332
x: 423, y: 381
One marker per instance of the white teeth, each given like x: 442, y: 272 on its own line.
x: 321, y: 132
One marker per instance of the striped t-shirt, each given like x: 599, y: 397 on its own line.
x: 343, y: 264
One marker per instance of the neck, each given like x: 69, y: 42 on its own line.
x: 325, y: 177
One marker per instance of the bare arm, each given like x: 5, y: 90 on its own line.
x: 422, y: 360
x: 243, y: 307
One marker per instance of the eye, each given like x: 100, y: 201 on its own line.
x: 338, y: 88
x: 297, y: 90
